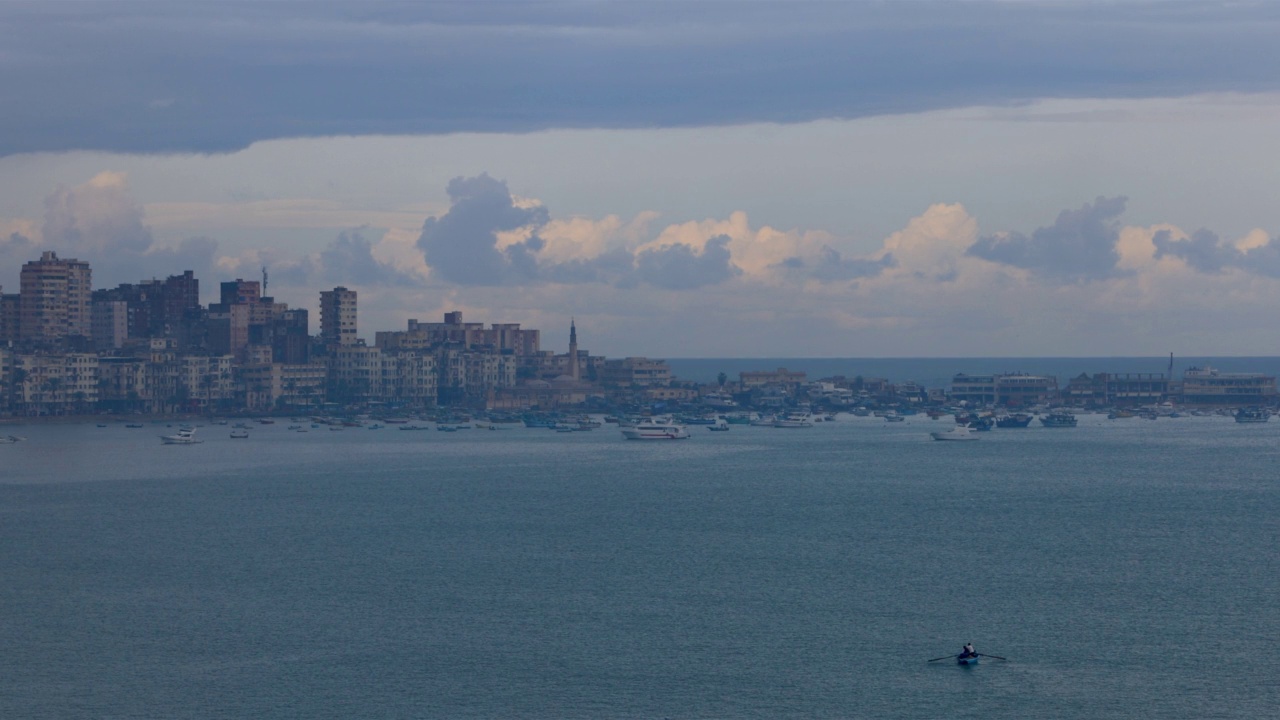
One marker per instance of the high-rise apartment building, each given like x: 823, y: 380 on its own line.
x: 9, y: 313
x: 55, y: 299
x: 110, y: 324
x: 338, y: 317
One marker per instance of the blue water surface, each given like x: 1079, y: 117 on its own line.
x: 1126, y: 569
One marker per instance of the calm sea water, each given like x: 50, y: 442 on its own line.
x: 938, y: 372
x: 1127, y: 569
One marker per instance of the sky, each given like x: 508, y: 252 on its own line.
x: 699, y: 179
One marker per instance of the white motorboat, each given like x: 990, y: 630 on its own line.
x: 959, y: 432
x: 184, y: 436
x: 656, y: 429
x: 794, y: 420
x: 240, y: 434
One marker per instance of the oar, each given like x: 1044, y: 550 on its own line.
x: 992, y: 656
x: 945, y: 657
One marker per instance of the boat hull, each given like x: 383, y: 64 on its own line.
x: 953, y: 437
x: 967, y: 660
x: 664, y: 434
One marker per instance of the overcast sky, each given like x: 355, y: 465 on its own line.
x: 684, y: 179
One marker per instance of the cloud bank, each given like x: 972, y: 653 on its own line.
x: 1083, y: 283
x: 206, y: 77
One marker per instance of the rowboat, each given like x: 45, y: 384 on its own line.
x: 970, y: 660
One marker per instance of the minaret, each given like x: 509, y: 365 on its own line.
x: 573, y: 350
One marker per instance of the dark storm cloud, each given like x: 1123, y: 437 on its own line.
x: 1079, y: 246
x: 680, y: 267
x: 462, y: 247
x: 347, y: 260
x: 830, y: 266
x: 462, y: 244
x: 1204, y: 251
x: 1201, y: 251
x: 204, y: 76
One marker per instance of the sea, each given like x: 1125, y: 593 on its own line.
x: 1121, y: 569
x: 938, y: 372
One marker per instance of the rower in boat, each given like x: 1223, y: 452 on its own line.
x: 967, y: 655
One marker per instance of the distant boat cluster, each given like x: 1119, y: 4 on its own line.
x: 969, y: 425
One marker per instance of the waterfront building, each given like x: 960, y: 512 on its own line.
x: 280, y: 386
x: 1124, y: 389
x: 361, y: 374
x: 1022, y: 390
x: 54, y: 384
x: 781, y: 376
x: 338, y: 317
x: 1207, y: 386
x: 200, y: 382
x: 499, y: 337
x: 1009, y: 389
x: 55, y: 299
x: 635, y: 372
x: 124, y: 384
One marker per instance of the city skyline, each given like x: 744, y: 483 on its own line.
x: 961, y: 203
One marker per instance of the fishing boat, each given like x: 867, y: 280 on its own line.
x: 959, y: 432
x: 1252, y: 415
x: 1016, y: 420
x: 1058, y: 419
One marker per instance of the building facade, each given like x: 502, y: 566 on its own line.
x: 55, y: 299
x: 338, y: 317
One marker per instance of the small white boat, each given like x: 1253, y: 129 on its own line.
x: 184, y: 436
x: 794, y: 420
x: 10, y: 439
x: 959, y: 432
x: 656, y: 429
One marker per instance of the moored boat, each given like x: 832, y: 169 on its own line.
x: 656, y: 429
x: 794, y: 420
x: 959, y: 432
x: 1058, y: 419
x: 1016, y: 420
x: 184, y: 436
x: 1252, y: 415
